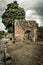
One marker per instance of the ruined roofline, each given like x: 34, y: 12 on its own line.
x: 19, y: 20
x: 16, y: 20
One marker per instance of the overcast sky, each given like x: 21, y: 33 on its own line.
x: 33, y: 8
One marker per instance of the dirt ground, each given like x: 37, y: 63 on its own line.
x: 26, y: 53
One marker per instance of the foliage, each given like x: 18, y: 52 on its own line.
x: 40, y: 33
x: 10, y: 30
x: 12, y: 12
x: 10, y: 38
x: 2, y: 32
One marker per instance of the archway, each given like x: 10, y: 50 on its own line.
x: 28, y: 35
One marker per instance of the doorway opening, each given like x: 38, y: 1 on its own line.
x: 28, y: 35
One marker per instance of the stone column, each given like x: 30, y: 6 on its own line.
x: 35, y: 35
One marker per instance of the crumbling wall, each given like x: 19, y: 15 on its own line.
x: 19, y: 30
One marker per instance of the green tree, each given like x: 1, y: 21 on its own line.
x: 12, y: 12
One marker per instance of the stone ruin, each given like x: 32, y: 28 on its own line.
x: 25, y: 30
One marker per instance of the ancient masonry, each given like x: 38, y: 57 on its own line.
x: 25, y: 30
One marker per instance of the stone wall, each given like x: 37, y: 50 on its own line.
x: 20, y: 26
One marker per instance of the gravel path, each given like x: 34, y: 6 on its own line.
x: 26, y: 54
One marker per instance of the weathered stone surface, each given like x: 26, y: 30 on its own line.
x: 5, y: 58
x: 23, y: 27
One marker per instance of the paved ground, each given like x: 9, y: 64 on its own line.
x: 26, y: 53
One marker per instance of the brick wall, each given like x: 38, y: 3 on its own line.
x: 21, y: 26
x: 19, y: 33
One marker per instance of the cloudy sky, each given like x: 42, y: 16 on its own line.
x: 33, y: 9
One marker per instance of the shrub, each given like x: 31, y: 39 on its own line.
x: 13, y: 41
x: 10, y: 38
x: 6, y: 42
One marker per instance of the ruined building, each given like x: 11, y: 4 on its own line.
x: 25, y: 30
x: 40, y: 33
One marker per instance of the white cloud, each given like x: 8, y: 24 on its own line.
x: 8, y: 1
x: 28, y: 5
x: 2, y: 27
x: 32, y: 15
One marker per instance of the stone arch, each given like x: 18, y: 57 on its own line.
x: 28, y: 34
